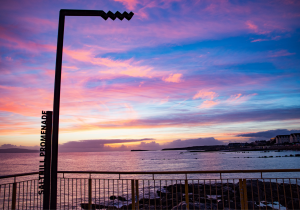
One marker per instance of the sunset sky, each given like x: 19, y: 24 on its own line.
x: 179, y: 73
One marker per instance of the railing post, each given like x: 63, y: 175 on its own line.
x: 241, y: 188
x: 243, y: 194
x: 187, y: 194
x: 137, y: 193
x: 132, y: 194
x: 14, y: 195
x: 90, y: 194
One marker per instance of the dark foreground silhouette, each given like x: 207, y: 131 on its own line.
x: 218, y: 196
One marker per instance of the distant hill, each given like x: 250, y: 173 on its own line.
x: 17, y: 150
x: 139, y: 150
x: 206, y: 148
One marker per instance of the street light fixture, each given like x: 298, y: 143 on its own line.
x: 62, y: 14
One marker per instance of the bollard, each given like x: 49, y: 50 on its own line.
x: 187, y: 194
x: 245, y: 195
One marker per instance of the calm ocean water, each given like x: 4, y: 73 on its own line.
x: 12, y: 163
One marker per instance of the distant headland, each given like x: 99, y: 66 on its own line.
x: 17, y: 150
x: 280, y: 142
x: 139, y: 150
x: 236, y: 147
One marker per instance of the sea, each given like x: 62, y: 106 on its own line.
x: 172, y: 160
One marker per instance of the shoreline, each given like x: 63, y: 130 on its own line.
x: 222, y: 148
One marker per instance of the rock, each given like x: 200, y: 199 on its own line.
x: 152, y: 201
x: 112, y: 197
x: 160, y: 193
x: 94, y: 206
x: 293, y: 204
x: 127, y: 207
x: 182, y: 205
x: 199, y: 194
x: 120, y: 198
x: 252, y: 205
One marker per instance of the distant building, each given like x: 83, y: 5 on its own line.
x: 295, y: 137
x: 280, y: 139
x: 273, y: 140
x: 260, y: 142
x: 235, y: 145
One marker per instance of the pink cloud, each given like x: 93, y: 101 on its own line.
x: 70, y: 67
x: 235, y: 97
x: 132, y: 114
x: 129, y: 4
x: 40, y: 23
x: 8, y: 127
x: 116, y: 67
x: 208, y: 104
x: 8, y: 58
x: 280, y: 53
x: 239, y: 99
x: 172, y: 28
x: 259, y: 40
x: 233, y: 100
x: 164, y: 100
x: 173, y: 78
x: 76, y: 97
x: 14, y: 42
x: 143, y: 12
x: 141, y: 83
x: 276, y: 38
x: 251, y: 26
x: 24, y: 101
x: 192, y: 119
x: 205, y: 95
x: 150, y: 92
x: 236, y: 20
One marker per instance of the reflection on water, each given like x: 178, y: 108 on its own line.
x: 12, y: 163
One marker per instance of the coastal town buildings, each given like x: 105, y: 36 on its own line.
x: 295, y: 137
x: 260, y: 142
x: 280, y: 139
x: 273, y: 140
x: 234, y: 145
x: 292, y: 138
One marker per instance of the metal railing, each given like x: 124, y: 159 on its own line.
x: 159, y: 190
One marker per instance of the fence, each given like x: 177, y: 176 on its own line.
x: 159, y: 190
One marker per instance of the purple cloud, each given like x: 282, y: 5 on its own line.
x: 269, y: 133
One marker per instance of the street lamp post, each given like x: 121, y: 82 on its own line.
x: 57, y: 82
